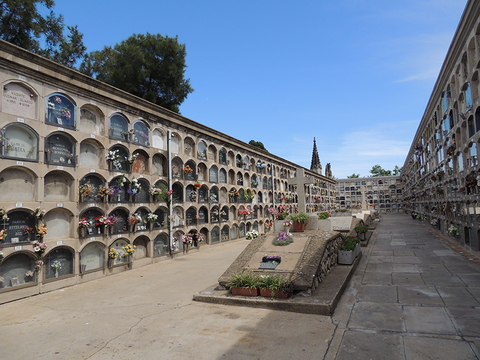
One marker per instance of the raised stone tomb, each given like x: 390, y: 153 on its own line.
x: 306, y: 262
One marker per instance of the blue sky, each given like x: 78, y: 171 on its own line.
x: 355, y: 74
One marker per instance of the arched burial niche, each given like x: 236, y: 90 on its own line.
x: 20, y: 100
x: 59, y: 150
x: 92, y: 257
x: 159, y: 139
x: 89, y: 188
x: 60, y: 111
x: 57, y: 186
x: 141, y: 133
x: 91, y: 120
x: 58, y: 221
x: 59, y: 263
x: 118, y: 127
x: 118, y: 245
x: 20, y: 227
x: 90, y: 154
x: 160, y: 245
x: 141, y: 244
x: 17, y: 269
x: 17, y: 184
x: 19, y: 141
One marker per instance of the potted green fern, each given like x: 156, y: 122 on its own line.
x: 299, y: 220
x: 244, y: 283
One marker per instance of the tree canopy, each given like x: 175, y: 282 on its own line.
x: 149, y: 66
x: 353, y: 176
x: 258, y: 144
x: 377, y: 170
x: 21, y: 24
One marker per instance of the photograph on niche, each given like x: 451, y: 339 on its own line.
x: 59, y: 121
x: 90, y: 231
x: 14, y: 281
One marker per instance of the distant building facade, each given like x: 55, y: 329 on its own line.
x: 381, y: 193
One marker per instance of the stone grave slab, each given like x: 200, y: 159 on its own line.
x: 305, y: 262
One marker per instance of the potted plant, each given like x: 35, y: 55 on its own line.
x: 299, y: 220
x: 362, y: 229
x: 324, y: 215
x: 274, y: 286
x: 244, y: 283
x: 346, y: 251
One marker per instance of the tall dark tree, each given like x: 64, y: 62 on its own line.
x: 149, y: 66
x: 21, y: 24
x: 353, y: 176
x: 258, y: 144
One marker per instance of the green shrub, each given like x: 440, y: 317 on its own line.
x: 243, y: 279
x: 299, y: 217
x: 361, y: 229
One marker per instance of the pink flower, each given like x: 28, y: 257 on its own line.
x: 169, y: 192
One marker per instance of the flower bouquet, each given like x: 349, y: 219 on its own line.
x: 283, y: 239
x: 128, y: 250
x: 39, y: 247
x: 84, y: 223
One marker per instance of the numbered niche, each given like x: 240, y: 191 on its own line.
x: 20, y: 227
x: 19, y: 141
x: 60, y: 150
x: 118, y: 127
x: 141, y: 134
x: 60, y: 111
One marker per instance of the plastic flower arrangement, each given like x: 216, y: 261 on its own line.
x: 65, y: 113
x: 86, y: 189
x: 151, y: 217
x: 155, y: 191
x: 39, y: 247
x: 84, y: 223
x: 3, y: 234
x: 193, y: 196
x: 271, y: 210
x: 169, y: 192
x: 105, y: 190
x: 121, y: 181
x: 135, y: 187
x: 213, y: 197
x: 187, y: 239
x: 131, y: 159
x: 233, y: 193
x: 324, y: 215
x: 113, y: 253
x: 453, y: 230
x: 223, y: 214
x: 41, y: 231
x: 3, y: 214
x: 252, y: 235
x: 38, y: 265
x: 287, y: 223
x: 283, y: 239
x: 111, y: 221
x: 40, y: 213
x: 113, y: 155
x: 114, y: 189
x: 281, y: 215
x: 188, y: 169
x: 214, y: 213
x: 28, y: 231
x: 100, y: 220
x: 135, y: 218
x: 56, y: 265
x: 129, y: 250
x: 197, y: 185
x: 29, y: 273
x: 434, y: 222
x: 268, y: 224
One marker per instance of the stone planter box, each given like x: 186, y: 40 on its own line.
x: 358, y: 249
x: 346, y: 257
x: 245, y: 291
x: 277, y: 294
x: 278, y: 225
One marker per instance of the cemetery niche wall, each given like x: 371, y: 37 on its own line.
x: 86, y: 170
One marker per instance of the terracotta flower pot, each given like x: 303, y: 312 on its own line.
x: 245, y: 291
x: 277, y: 293
x: 298, y: 226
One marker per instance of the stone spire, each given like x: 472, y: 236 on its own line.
x: 315, y: 166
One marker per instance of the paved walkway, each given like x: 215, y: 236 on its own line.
x: 412, y: 297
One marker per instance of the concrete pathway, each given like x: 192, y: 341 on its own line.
x: 412, y: 297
